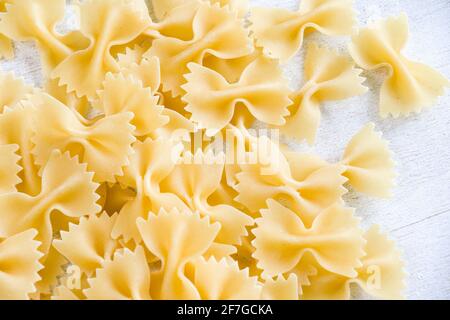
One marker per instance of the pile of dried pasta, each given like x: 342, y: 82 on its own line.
x: 94, y: 203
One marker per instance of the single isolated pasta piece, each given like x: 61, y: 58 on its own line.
x: 281, y: 32
x: 369, y: 164
x: 410, y: 86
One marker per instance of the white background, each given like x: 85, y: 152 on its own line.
x: 418, y: 216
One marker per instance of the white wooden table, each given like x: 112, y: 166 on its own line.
x: 418, y: 216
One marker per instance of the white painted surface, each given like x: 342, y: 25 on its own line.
x: 418, y: 216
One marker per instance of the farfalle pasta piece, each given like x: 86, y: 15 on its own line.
x: 176, y: 238
x: 17, y: 129
x: 281, y: 32
x: 13, y: 90
x: 281, y: 288
x: 106, y: 141
x: 194, y: 180
x: 163, y: 8
x: 381, y: 275
x: 306, y: 184
x: 334, y: 239
x: 6, y: 47
x: 19, y: 265
x: 125, y: 277
x: 9, y: 168
x: 216, y: 31
x: 146, y: 70
x: 88, y: 244
x: 212, y: 100
x: 150, y: 163
x: 328, y: 76
x: 223, y: 280
x: 369, y: 164
x: 54, y: 269
x: 25, y: 20
x: 66, y: 187
x: 410, y: 86
x: 126, y: 94
x: 105, y: 23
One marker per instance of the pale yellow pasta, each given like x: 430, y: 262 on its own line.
x: 19, y: 265
x: 66, y: 187
x: 125, y: 277
x: 194, y: 180
x: 307, y: 189
x: 281, y: 240
x: 381, y: 275
x: 216, y: 31
x: 13, y: 90
x: 107, y: 140
x: 281, y: 32
x: 146, y: 70
x: 369, y: 164
x: 105, y: 23
x: 17, y: 128
x: 9, y: 168
x: 126, y: 94
x: 25, y: 20
x: 88, y: 244
x: 149, y: 164
x: 410, y: 86
x: 54, y: 269
x: 163, y: 8
x: 213, y: 101
x: 328, y: 76
x: 223, y: 280
x: 6, y: 47
x: 176, y: 237
x: 281, y: 288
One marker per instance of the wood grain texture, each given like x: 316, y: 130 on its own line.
x: 418, y: 216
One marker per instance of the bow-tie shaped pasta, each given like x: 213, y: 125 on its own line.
x: 106, y: 23
x: 150, y: 163
x: 213, y: 101
x: 127, y: 94
x: 163, y: 8
x: 125, y: 277
x: 19, y: 265
x: 104, y: 144
x: 369, y: 164
x: 328, y: 76
x: 66, y: 187
x: 281, y: 32
x: 146, y: 70
x: 216, y: 31
x: 334, y: 239
x: 176, y: 238
x: 305, y: 183
x: 17, y: 129
x: 13, y: 91
x: 6, y: 47
x: 9, y: 168
x: 410, y: 86
x: 281, y: 288
x: 194, y: 180
x: 88, y: 244
x: 24, y: 20
x: 381, y: 275
x: 223, y: 280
